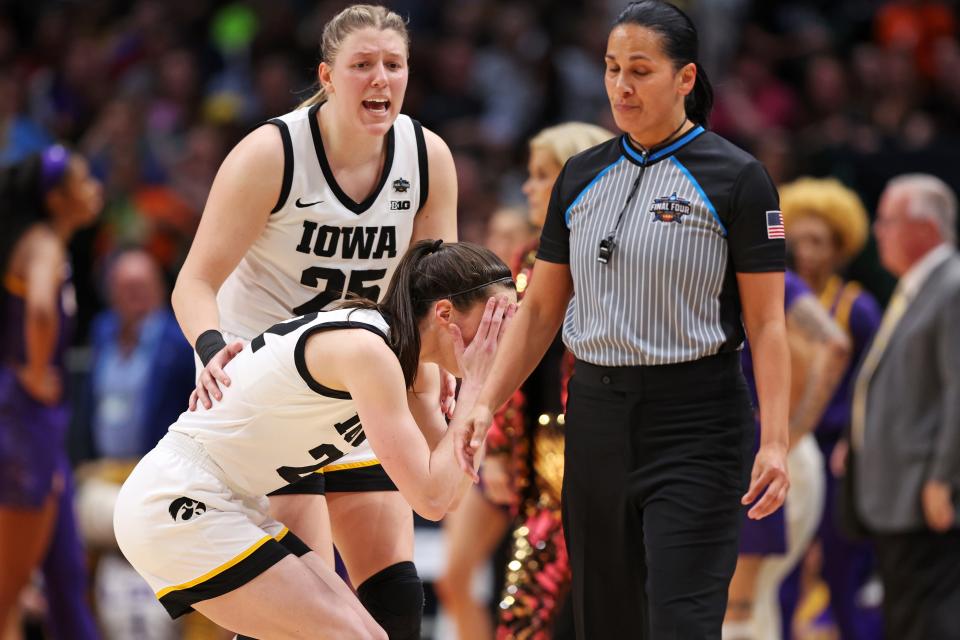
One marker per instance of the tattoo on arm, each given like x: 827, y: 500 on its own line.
x: 812, y: 321
x: 827, y: 355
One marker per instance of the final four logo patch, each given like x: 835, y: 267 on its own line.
x: 670, y: 208
x: 401, y: 185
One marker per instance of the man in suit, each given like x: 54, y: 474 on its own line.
x: 906, y: 414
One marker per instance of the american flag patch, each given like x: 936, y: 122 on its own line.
x: 775, y: 225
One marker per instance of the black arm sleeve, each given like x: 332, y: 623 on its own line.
x: 751, y: 248
x: 555, y: 238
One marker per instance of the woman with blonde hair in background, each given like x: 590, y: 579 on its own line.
x: 522, y: 471
x: 319, y: 205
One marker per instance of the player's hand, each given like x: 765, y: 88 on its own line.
x: 476, y: 359
x: 769, y: 478
x: 497, y: 479
x: 212, y: 376
x: 448, y: 393
x: 938, y: 508
x: 468, y: 438
x: 42, y: 384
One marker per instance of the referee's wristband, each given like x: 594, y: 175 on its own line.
x: 209, y: 344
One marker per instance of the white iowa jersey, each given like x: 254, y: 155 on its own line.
x: 318, y: 242
x: 275, y: 423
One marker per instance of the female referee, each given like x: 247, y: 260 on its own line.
x: 322, y: 203
x: 655, y: 243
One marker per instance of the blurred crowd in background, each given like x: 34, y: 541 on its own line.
x: 156, y: 92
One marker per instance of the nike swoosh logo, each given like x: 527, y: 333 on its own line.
x: 303, y: 205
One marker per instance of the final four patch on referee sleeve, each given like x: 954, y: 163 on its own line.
x: 775, y: 225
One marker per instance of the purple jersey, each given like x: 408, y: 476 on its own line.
x: 31, y: 433
x: 767, y: 536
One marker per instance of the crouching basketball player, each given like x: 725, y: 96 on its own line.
x: 193, y: 517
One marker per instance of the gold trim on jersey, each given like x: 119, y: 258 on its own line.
x: 226, y: 565
x: 214, y: 572
x: 348, y: 465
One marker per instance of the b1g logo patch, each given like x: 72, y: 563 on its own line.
x: 182, y: 509
x: 670, y: 208
x: 399, y: 205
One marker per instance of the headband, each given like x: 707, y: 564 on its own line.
x: 53, y: 166
x: 504, y: 279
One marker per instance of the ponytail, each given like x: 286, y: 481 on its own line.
x: 319, y: 97
x: 404, y: 310
x: 699, y: 102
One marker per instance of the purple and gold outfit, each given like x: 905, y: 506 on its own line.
x: 31, y: 433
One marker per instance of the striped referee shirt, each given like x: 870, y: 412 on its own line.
x: 695, y: 213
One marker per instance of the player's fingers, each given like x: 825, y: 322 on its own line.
x: 460, y: 439
x: 469, y: 457
x: 462, y: 461
x: 208, y: 386
x: 478, y: 436
x: 229, y: 352
x: 217, y: 374
x: 496, y: 320
x: 203, y: 396
x: 213, y: 389
x: 458, y: 347
x: 507, y: 318
x: 449, y: 406
x: 484, y: 326
x: 193, y: 401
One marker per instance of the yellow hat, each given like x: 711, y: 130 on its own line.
x: 832, y: 202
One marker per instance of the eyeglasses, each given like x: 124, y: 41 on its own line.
x: 888, y: 222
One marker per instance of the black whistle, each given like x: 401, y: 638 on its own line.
x: 605, y: 252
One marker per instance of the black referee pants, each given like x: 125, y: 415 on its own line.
x: 657, y: 459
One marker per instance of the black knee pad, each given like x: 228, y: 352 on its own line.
x: 394, y: 597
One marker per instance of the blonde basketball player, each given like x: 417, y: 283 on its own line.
x: 318, y: 205
x: 193, y: 516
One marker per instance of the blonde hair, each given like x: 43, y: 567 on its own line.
x: 829, y: 200
x: 568, y: 139
x: 354, y: 18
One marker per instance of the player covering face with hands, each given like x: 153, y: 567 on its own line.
x: 193, y: 517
